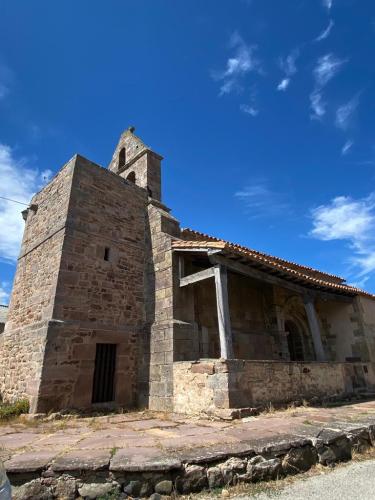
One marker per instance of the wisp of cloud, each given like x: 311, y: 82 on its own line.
x: 345, y: 218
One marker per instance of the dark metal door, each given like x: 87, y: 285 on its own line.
x: 104, y: 373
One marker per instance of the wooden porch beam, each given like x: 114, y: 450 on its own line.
x: 199, y: 276
x: 275, y: 280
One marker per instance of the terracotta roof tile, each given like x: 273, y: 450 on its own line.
x: 194, y: 239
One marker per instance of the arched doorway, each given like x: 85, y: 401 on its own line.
x: 295, y: 342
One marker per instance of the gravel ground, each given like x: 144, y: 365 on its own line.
x: 355, y: 481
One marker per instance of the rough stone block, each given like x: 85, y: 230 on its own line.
x: 207, y: 368
x: 164, y: 487
x: 299, y: 460
x: 193, y: 480
x: 215, y: 478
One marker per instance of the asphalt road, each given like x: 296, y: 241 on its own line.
x: 353, y: 482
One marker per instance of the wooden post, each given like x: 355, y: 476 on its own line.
x: 314, y: 328
x: 181, y: 267
x: 221, y: 284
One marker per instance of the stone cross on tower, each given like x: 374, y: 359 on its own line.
x: 137, y: 163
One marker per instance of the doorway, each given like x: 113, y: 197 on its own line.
x: 295, y: 343
x: 104, y: 373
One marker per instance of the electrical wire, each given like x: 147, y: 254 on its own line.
x: 14, y: 201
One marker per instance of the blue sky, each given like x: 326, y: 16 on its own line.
x: 264, y: 111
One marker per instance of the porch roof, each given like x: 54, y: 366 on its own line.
x: 291, y: 271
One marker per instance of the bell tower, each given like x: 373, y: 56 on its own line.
x: 137, y: 163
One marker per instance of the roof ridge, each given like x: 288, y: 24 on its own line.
x: 280, y: 259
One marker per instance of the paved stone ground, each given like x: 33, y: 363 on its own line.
x: 134, y: 441
x: 356, y: 480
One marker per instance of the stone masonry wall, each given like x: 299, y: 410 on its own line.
x: 141, y: 164
x: 39, y: 260
x: 365, y: 333
x: 23, y: 341
x: 67, y: 297
x: 210, y: 385
x: 156, y: 372
x: 97, y: 300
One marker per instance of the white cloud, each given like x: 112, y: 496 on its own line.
x: 325, y: 69
x: 345, y: 218
x: 325, y: 33
x: 260, y: 201
x: 18, y: 182
x: 346, y: 147
x: 327, y: 4
x: 317, y: 104
x: 249, y: 109
x: 288, y: 66
x: 242, y: 62
x: 284, y: 84
x: 345, y: 112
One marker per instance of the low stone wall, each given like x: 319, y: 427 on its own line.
x: 208, y: 386
x: 189, y: 472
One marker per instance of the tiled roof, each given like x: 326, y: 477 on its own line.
x: 195, y: 239
x: 3, y: 313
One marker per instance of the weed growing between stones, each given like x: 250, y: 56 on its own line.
x: 113, y: 495
x: 96, y: 424
x: 11, y: 410
x: 269, y: 408
x: 307, y: 422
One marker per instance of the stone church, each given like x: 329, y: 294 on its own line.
x: 114, y: 304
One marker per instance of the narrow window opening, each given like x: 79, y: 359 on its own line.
x: 131, y: 177
x: 107, y: 252
x: 121, y: 158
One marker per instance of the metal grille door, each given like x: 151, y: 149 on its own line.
x: 104, y: 374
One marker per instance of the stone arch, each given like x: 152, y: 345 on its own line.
x: 131, y: 177
x: 299, y: 339
x: 295, y: 341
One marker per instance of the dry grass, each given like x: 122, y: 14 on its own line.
x: 96, y: 425
x: 269, y: 410
x: 291, y: 410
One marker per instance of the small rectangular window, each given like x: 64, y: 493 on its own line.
x: 106, y: 253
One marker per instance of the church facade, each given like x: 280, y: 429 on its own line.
x: 114, y: 304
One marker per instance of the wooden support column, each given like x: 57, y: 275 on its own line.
x: 314, y: 328
x: 225, y: 333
